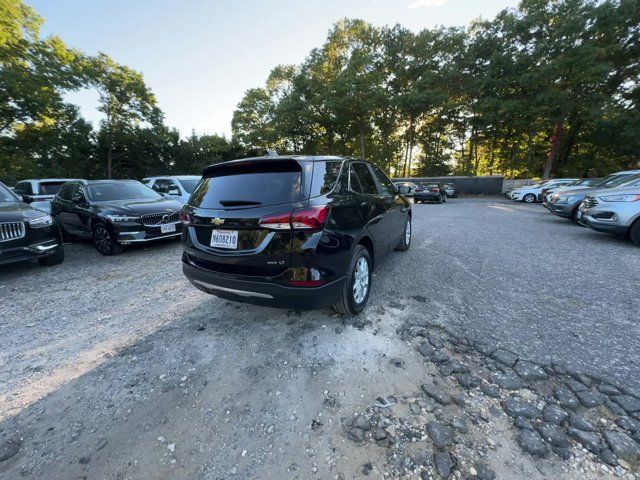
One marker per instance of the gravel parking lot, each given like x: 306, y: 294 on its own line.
x: 116, y: 367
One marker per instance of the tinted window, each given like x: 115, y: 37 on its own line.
x: 24, y: 188
x: 65, y: 191
x: 164, y: 185
x: 367, y: 184
x: 325, y: 175
x: 6, y: 195
x: 386, y: 185
x: 49, y: 188
x: 106, y: 192
x: 250, y: 184
x: 189, y: 184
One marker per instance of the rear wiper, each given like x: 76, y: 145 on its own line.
x: 238, y: 203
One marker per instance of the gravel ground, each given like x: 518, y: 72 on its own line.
x: 117, y: 368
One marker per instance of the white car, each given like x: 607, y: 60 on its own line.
x: 532, y: 193
x: 177, y: 187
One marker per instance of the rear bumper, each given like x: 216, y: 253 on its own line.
x: 264, y: 293
x: 426, y: 196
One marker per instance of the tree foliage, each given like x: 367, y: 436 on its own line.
x: 549, y: 88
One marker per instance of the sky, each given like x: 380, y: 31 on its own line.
x: 200, y: 56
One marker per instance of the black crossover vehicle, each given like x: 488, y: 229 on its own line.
x: 293, y: 232
x: 27, y: 233
x: 114, y: 213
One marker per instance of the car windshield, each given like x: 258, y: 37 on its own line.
x: 110, y: 191
x: 618, y: 180
x: 430, y: 185
x: 6, y: 195
x: 189, y: 184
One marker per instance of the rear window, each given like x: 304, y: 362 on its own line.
x: 49, y: 188
x: 325, y: 176
x: 260, y: 183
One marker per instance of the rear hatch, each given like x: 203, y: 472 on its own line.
x: 239, y: 216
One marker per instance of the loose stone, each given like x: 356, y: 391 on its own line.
x: 591, y: 399
x: 589, y: 440
x: 440, y: 434
x: 490, y: 390
x: 508, y: 381
x: 437, y: 394
x: 516, y: 407
x: 531, y: 442
x: 553, y: 435
x: 425, y: 349
x: 623, y: 446
x: 627, y: 402
x: 529, y: 371
x: 444, y: 463
x: 554, y: 414
x: 581, y: 423
x: 505, y: 357
x: 566, y: 398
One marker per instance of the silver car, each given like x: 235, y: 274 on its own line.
x: 615, y: 211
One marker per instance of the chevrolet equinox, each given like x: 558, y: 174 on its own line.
x: 293, y: 231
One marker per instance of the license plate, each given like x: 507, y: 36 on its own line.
x: 168, y: 228
x: 224, y: 239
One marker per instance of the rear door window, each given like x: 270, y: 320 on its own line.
x: 250, y: 184
x: 386, y: 185
x: 23, y: 188
x: 325, y: 176
x: 367, y: 183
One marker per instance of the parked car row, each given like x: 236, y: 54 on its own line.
x: 610, y: 204
x: 429, y: 191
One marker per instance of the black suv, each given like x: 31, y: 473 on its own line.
x: 27, y: 233
x: 114, y: 213
x: 293, y: 232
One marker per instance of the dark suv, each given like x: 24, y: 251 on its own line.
x: 114, y: 213
x: 27, y: 233
x: 293, y: 232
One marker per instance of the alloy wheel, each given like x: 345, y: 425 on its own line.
x: 361, y: 280
x: 102, y: 239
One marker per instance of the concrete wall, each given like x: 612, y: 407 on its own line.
x: 487, y: 185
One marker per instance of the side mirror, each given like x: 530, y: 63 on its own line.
x: 403, y: 189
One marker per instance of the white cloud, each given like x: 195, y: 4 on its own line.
x: 426, y: 4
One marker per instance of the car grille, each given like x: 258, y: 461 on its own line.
x: 11, y: 231
x: 590, y: 202
x: 162, y: 218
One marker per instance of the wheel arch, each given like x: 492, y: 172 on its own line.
x: 367, y: 243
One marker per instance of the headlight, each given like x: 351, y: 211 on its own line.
x: 566, y: 198
x: 621, y: 198
x: 122, y: 218
x: 39, y: 222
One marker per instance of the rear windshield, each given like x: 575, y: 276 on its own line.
x: 6, y: 195
x: 108, y: 192
x: 49, y: 188
x: 259, y: 183
x: 430, y: 185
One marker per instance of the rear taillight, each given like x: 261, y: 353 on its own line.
x: 435, y: 190
x: 185, y: 217
x: 311, y: 218
x: 418, y: 190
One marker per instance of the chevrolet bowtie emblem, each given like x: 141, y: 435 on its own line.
x: 217, y: 221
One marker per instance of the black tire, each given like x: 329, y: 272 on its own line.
x: 529, y: 198
x: 347, y: 305
x: 53, y: 259
x: 66, y: 237
x: 404, y: 245
x: 104, y: 240
x: 634, y: 232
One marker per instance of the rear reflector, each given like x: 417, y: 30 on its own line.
x: 311, y: 218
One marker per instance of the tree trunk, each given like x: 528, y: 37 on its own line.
x: 361, y: 128
x: 110, y: 162
x: 552, y: 157
x: 411, y: 129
